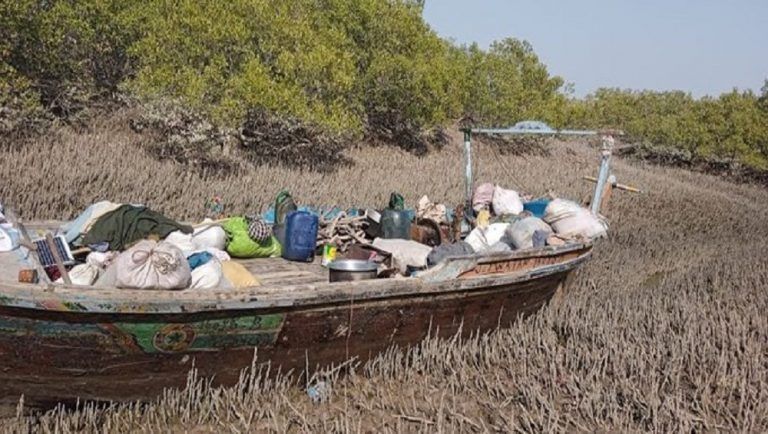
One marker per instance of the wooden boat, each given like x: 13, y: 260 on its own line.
x: 60, y: 343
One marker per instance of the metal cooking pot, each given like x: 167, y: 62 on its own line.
x: 347, y: 270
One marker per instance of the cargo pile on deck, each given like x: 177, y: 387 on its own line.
x: 133, y: 247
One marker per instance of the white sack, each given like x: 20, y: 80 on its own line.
x: 201, y: 239
x: 209, y: 237
x: 404, y: 252
x: 101, y: 260
x: 520, y: 233
x: 82, y: 274
x: 568, y: 218
x: 221, y: 255
x: 506, y: 201
x: 208, y: 275
x: 182, y: 241
x: 108, y: 278
x: 152, y: 265
x: 9, y: 238
x: 481, y: 239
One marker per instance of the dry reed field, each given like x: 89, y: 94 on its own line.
x: 664, y: 330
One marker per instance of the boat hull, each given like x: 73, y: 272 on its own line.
x: 59, y: 356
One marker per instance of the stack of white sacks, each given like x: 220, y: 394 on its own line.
x: 570, y: 219
x: 158, y: 265
x: 563, y: 218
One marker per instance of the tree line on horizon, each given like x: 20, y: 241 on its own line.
x: 348, y: 68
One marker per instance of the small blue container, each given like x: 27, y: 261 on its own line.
x: 536, y: 207
x: 300, y: 236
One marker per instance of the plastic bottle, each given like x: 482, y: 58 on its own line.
x: 284, y: 205
x: 395, y: 224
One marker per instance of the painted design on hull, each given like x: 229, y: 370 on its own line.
x: 246, y: 331
x: 208, y: 335
x: 174, y: 338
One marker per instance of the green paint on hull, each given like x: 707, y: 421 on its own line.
x: 208, y: 335
x: 245, y: 331
x: 45, y: 329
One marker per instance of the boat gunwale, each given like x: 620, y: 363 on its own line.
x: 81, y: 299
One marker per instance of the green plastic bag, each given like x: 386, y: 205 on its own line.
x: 240, y: 244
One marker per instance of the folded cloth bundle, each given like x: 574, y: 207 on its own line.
x: 83, y: 223
x: 128, y: 224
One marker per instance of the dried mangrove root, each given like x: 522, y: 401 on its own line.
x: 342, y: 231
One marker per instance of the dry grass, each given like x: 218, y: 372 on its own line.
x: 58, y: 176
x: 664, y: 330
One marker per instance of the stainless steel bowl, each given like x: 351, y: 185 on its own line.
x: 347, y: 270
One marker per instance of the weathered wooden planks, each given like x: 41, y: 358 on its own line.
x: 133, y: 357
x: 113, y: 344
x: 277, y: 271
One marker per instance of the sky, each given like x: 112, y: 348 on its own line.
x: 704, y: 47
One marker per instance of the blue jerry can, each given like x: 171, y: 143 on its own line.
x: 300, y: 236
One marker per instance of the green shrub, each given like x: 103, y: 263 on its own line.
x: 508, y: 83
x: 67, y: 53
x: 332, y: 63
x: 341, y: 68
x: 19, y: 103
x: 732, y: 126
x: 226, y: 58
x: 347, y: 66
